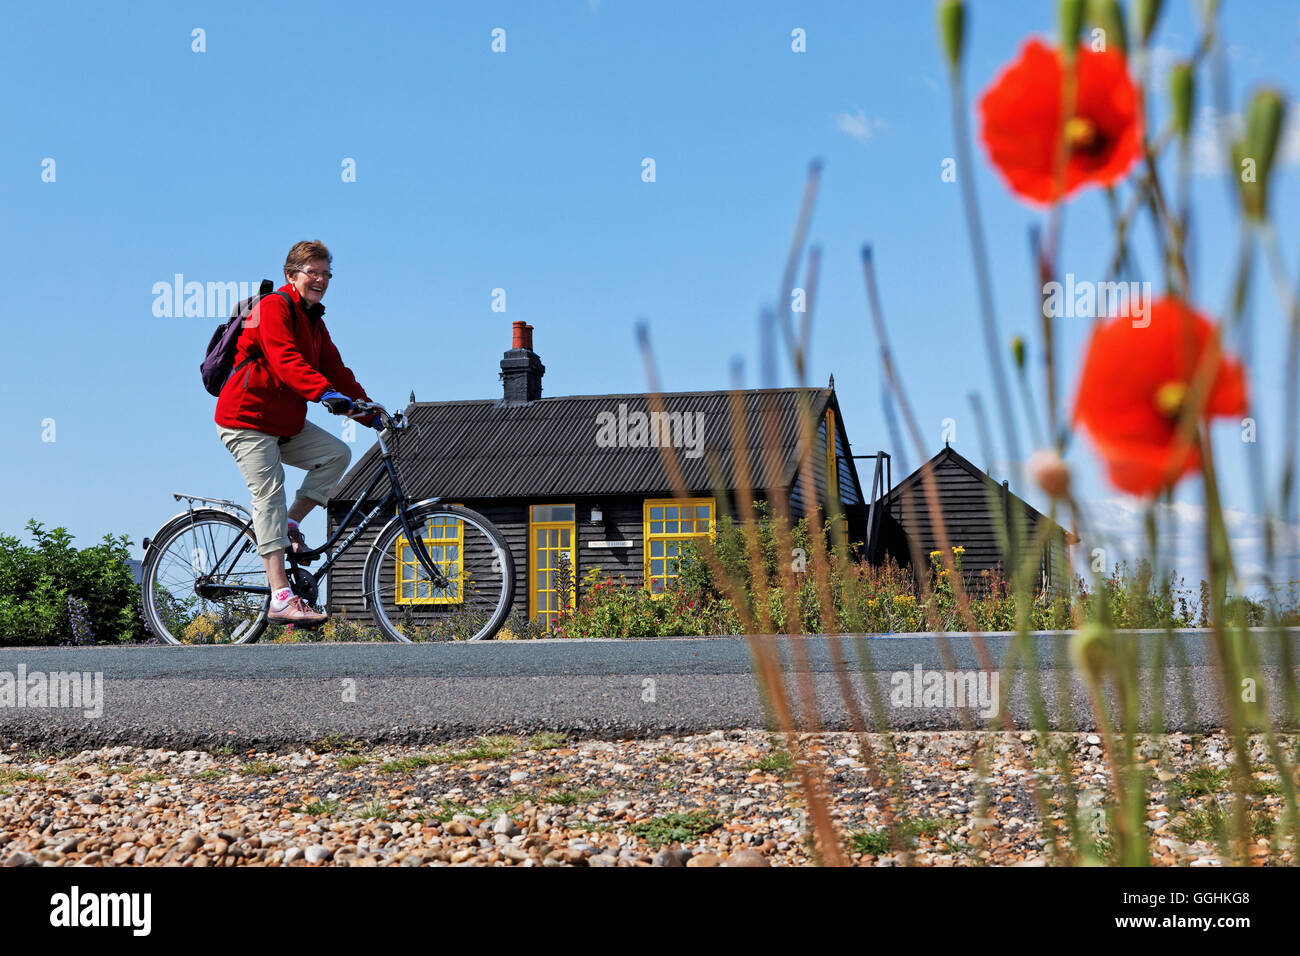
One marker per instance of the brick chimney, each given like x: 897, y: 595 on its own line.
x: 521, y: 369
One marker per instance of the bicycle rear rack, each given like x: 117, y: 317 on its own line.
x: 228, y: 505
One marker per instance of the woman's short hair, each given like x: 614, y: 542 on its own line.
x: 303, y: 253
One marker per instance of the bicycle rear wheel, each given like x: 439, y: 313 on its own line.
x: 183, y: 600
x: 472, y: 555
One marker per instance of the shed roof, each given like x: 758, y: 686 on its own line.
x: 492, y: 449
x: 913, y: 483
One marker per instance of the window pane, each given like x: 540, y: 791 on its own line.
x: 687, y: 527
x: 670, y: 527
x: 701, y: 511
x: 656, y: 527
x: 656, y: 549
x: 656, y: 568
x: 656, y: 513
x: 553, y: 512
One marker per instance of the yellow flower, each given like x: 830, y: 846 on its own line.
x: 959, y: 550
x: 935, y: 554
x: 203, y: 626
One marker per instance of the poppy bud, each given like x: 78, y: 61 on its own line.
x: 1263, y: 128
x: 952, y: 20
x: 1182, y: 95
x: 1018, y: 352
x: 1108, y: 15
x: 1071, y: 16
x: 1092, y: 650
x: 1050, y: 473
x: 1148, y: 12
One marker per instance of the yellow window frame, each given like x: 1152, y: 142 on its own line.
x: 832, y: 461
x: 666, y: 530
x: 533, y: 570
x: 410, y: 572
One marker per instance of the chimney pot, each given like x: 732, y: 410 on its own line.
x: 521, y: 369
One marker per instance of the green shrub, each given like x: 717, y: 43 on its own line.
x: 53, y: 593
x: 876, y: 599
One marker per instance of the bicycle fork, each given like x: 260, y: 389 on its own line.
x: 436, y: 578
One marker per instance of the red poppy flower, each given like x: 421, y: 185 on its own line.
x: 1021, y: 117
x: 1134, y: 383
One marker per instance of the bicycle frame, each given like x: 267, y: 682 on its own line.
x: 396, y: 498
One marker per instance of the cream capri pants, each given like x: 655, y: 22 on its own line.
x: 259, y: 457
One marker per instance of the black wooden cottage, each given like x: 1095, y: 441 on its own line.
x: 584, y: 476
x: 979, y: 515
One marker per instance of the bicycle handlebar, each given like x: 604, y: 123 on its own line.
x: 395, y: 421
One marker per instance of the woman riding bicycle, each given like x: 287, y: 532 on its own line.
x: 262, y: 416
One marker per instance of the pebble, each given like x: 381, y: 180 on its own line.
x: 587, y: 803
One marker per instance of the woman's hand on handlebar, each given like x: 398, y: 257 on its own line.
x: 367, y: 414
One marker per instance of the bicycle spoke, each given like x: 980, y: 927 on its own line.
x: 188, y: 603
x: 410, y: 606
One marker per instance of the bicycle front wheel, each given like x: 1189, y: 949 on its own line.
x: 473, y: 557
x: 182, y: 581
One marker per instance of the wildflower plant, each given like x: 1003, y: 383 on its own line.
x: 1063, y: 119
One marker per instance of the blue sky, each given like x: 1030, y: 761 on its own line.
x: 521, y: 171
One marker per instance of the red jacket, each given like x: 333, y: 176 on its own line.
x: 297, y: 362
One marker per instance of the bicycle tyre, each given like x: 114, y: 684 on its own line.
x: 237, y: 620
x: 491, y: 596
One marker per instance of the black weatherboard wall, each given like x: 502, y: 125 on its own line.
x: 972, y: 505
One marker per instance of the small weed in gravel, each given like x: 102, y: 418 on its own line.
x: 676, y: 827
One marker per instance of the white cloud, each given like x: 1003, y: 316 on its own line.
x: 1213, y: 133
x: 1117, y: 525
x: 1163, y: 58
x: 859, y: 125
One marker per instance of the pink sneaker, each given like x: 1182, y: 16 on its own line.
x: 298, y: 612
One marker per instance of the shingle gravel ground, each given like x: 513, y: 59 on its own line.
x: 721, y: 798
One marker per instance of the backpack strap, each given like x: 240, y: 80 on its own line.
x: 262, y: 293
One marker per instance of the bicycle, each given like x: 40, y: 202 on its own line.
x: 454, y: 580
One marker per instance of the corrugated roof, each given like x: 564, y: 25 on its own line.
x: 488, y: 449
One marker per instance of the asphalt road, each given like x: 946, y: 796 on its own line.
x: 277, y: 696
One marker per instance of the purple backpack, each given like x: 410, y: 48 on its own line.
x: 217, y: 362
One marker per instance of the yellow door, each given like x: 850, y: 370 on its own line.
x: 551, y: 539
